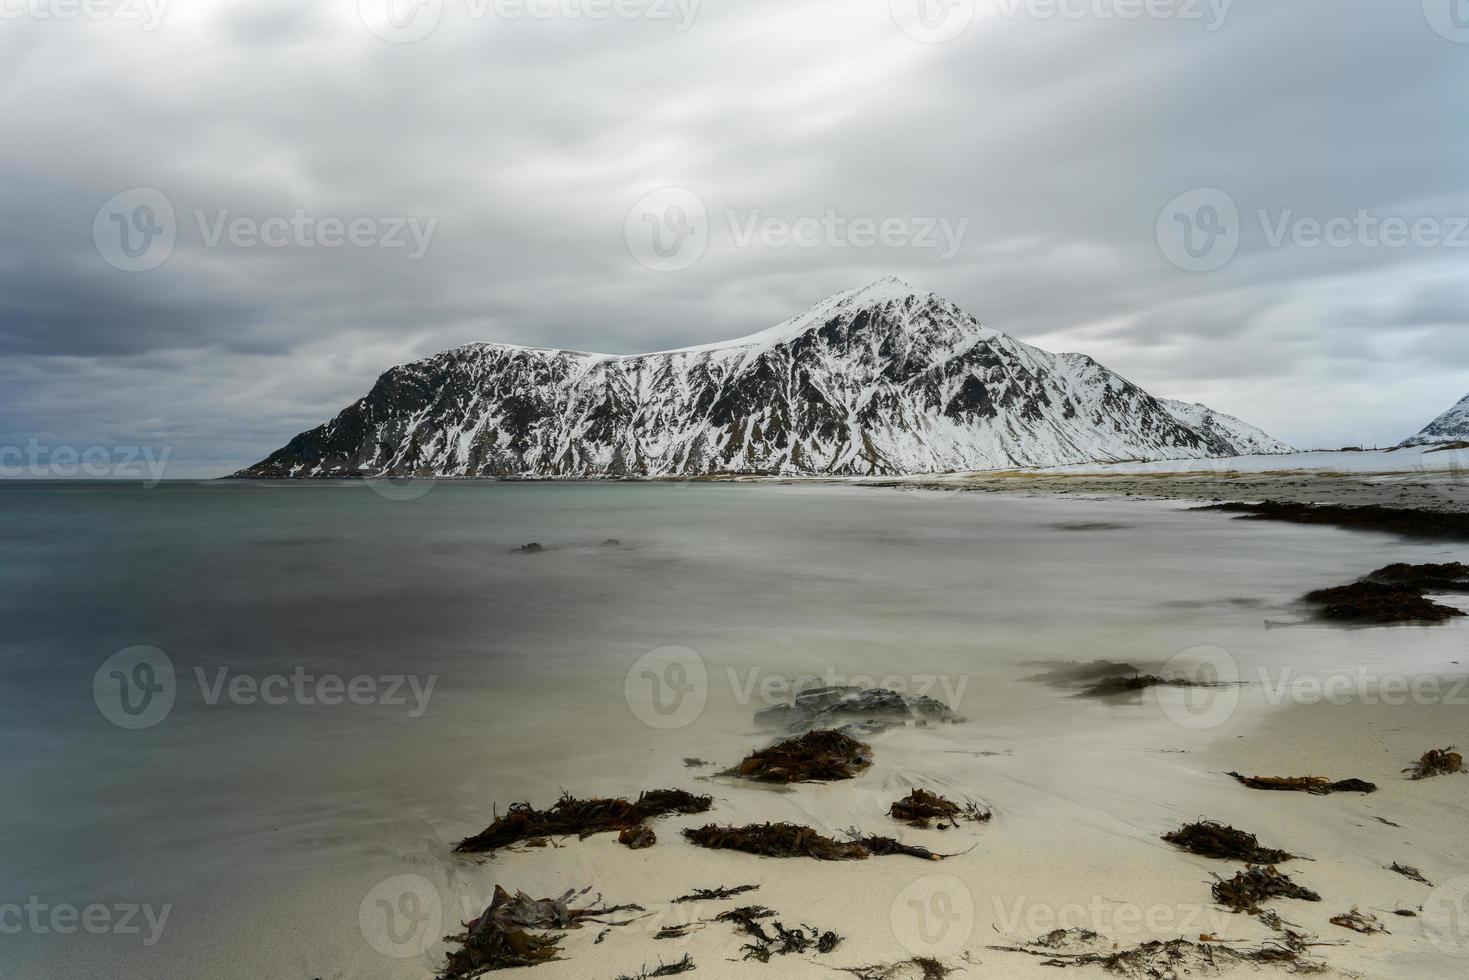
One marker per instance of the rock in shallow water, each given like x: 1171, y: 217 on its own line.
x: 871, y: 708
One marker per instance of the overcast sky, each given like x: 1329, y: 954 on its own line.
x: 496, y: 160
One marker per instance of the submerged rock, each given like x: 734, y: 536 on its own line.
x: 872, y: 708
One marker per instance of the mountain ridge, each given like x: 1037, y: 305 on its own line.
x: 1451, y: 426
x: 881, y: 380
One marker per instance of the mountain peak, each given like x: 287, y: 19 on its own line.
x: 876, y: 380
x: 1451, y: 426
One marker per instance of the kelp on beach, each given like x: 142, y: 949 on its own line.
x: 1210, y: 838
x: 814, y: 757
x: 1400, y: 520
x: 519, y: 931
x: 582, y: 818
x: 1436, y: 762
x: 1315, y: 785
x: 921, y: 809
x: 1247, y: 889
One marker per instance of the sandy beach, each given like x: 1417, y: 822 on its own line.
x: 972, y: 598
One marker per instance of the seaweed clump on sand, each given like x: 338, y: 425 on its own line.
x: 663, y: 969
x: 816, y: 756
x: 1246, y: 890
x: 719, y: 894
x: 922, y: 809
x: 1399, y: 520
x: 1408, y: 871
x: 1158, y: 959
x: 1358, y: 921
x: 523, y: 822
x: 782, y: 840
x: 637, y: 838
x: 788, y: 840
x: 1381, y: 602
x: 918, y: 968
x: 1447, y: 577
x: 521, y: 931
x: 1132, y: 683
x: 1436, y: 762
x: 1315, y: 785
x: 1212, y: 839
x: 778, y: 940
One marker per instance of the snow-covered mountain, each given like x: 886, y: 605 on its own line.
x: 1201, y: 418
x: 880, y: 380
x: 1451, y: 426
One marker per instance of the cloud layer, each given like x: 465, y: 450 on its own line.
x: 1057, y: 132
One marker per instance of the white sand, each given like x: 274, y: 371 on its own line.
x: 1074, y: 842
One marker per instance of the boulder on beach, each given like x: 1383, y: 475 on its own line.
x: 831, y: 707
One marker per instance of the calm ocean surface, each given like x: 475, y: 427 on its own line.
x: 444, y: 672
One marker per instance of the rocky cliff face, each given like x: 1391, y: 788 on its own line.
x: 881, y: 380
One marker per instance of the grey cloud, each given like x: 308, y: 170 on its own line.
x: 528, y: 141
